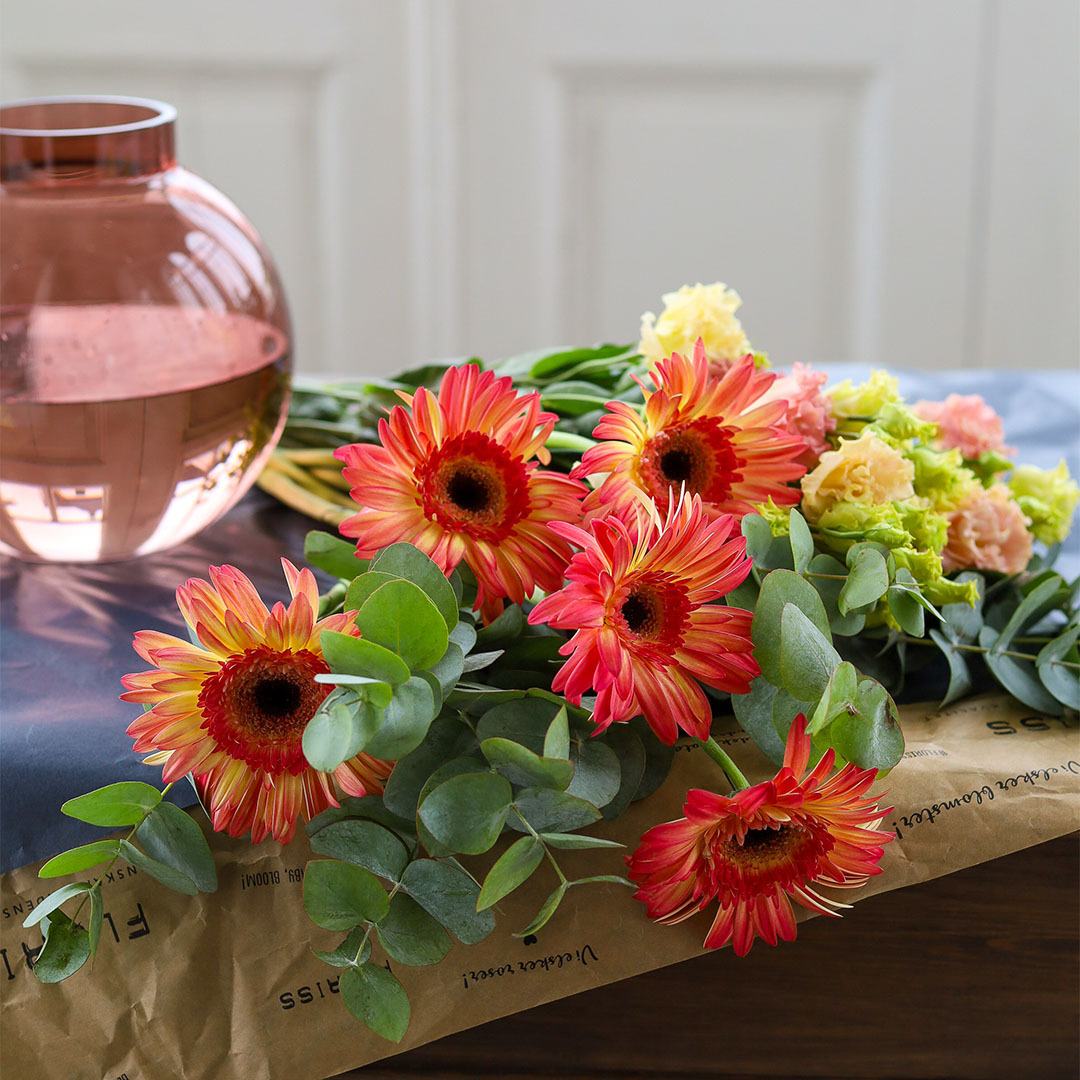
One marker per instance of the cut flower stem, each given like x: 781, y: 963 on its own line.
x: 720, y: 756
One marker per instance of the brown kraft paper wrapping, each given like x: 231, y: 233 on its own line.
x: 224, y: 986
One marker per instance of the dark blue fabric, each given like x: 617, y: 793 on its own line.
x: 67, y: 630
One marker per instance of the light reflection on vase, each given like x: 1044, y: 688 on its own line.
x: 144, y: 336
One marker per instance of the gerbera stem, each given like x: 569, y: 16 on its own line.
x: 720, y: 756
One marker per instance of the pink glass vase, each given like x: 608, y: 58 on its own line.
x: 144, y: 336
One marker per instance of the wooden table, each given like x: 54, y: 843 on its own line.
x: 972, y: 975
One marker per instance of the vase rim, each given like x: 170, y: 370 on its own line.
x: 158, y: 114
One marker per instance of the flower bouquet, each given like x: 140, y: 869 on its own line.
x: 551, y: 573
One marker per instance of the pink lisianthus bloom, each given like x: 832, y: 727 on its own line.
x: 808, y: 409
x: 966, y: 422
x: 988, y: 531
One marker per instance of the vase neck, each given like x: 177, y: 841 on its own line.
x: 85, y: 139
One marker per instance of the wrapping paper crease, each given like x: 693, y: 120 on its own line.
x: 224, y: 987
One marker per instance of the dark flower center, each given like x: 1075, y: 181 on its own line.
x: 472, y: 485
x: 654, y: 613
x: 636, y: 613
x: 763, y: 840
x: 468, y: 491
x: 699, y: 456
x: 258, y: 703
x: 676, y: 466
x: 277, y: 696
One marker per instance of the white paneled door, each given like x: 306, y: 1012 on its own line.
x: 439, y: 177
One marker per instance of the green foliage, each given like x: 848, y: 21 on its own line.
x: 467, y: 812
x: 450, y: 895
x: 512, y: 868
x: 333, y: 555
x: 409, y: 935
x: 524, y: 768
x: 401, y: 617
x: 172, y: 837
x: 339, y: 895
x: 375, y: 997
x: 66, y: 948
x: 410, y: 563
x: 115, y: 805
x: 363, y: 843
x: 358, y: 656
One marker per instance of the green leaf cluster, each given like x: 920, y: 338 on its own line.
x: 170, y: 848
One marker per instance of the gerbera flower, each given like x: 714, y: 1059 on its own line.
x: 712, y: 436
x: 454, y: 477
x: 232, y: 710
x: 759, y: 848
x: 638, y: 595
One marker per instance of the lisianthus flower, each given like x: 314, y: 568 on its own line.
x: 232, y: 710
x: 861, y: 402
x: 696, y: 311
x: 966, y: 422
x: 988, y: 531
x: 713, y: 437
x: 454, y: 477
x: 1048, y: 497
x: 639, y: 596
x: 762, y: 847
x: 808, y: 412
x: 863, y: 470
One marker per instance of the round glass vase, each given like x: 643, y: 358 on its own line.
x: 144, y: 336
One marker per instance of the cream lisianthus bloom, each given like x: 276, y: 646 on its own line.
x: 862, y: 470
x: 696, y: 311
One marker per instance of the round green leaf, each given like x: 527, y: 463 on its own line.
x: 331, y: 734
x: 754, y: 711
x: 466, y: 763
x: 410, y: 935
x: 552, y: 811
x: 807, y: 658
x: 867, y: 580
x: 363, y: 586
x: 513, y: 867
x: 352, y: 952
x: 362, y: 843
x: 355, y: 656
x: 557, y: 737
x: 1060, y: 680
x: 525, y: 720
x: 872, y: 739
x: 335, y: 556
x: 176, y: 880
x: 782, y: 587
x: 907, y: 611
x: 628, y: 748
x: 445, y: 891
x: 405, y: 721
x: 449, y: 668
x: 597, y: 776
x: 505, y: 627
x: 115, y: 805
x: 377, y: 1000
x: 524, y: 768
x: 339, y: 896
x: 171, y: 836
x: 401, y: 617
x: 405, y: 561
x: 467, y: 812
x: 447, y: 738
x: 66, y: 949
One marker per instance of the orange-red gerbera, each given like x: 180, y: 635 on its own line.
x: 454, y: 477
x: 754, y: 849
x: 232, y: 710
x: 710, y: 435
x: 638, y: 595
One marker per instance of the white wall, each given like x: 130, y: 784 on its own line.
x: 890, y: 181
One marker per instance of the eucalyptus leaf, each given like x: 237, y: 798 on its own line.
x: 80, y: 858
x: 872, y: 738
x: 512, y: 869
x: 467, y: 812
x: 828, y: 576
x: 358, y: 656
x: 1019, y: 677
x: 375, y: 997
x: 552, y: 811
x: 577, y: 842
x: 352, y: 952
x: 868, y: 578
x: 505, y: 627
x: 549, y: 907
x: 524, y: 768
x: 658, y: 759
x: 754, y: 711
x: 557, y: 736
x: 807, y: 658
x: 449, y: 668
x: 363, y: 843
x: 962, y: 623
x: 959, y: 673
x: 628, y: 748
x: 66, y: 949
x: 464, y: 636
x: 1062, y: 681
x: 173, y: 879
x: 339, y: 895
x: 446, y: 892
x: 782, y: 587
x: 409, y: 935
x: 405, y: 721
x: 409, y: 562
x: 447, y: 738
x: 597, y: 776
x: 907, y: 611
x: 363, y: 586
x: 54, y: 900
x: 802, y: 543
x: 115, y: 805
x: 334, y: 556
x: 401, y: 617
x: 525, y: 720
x: 172, y: 836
